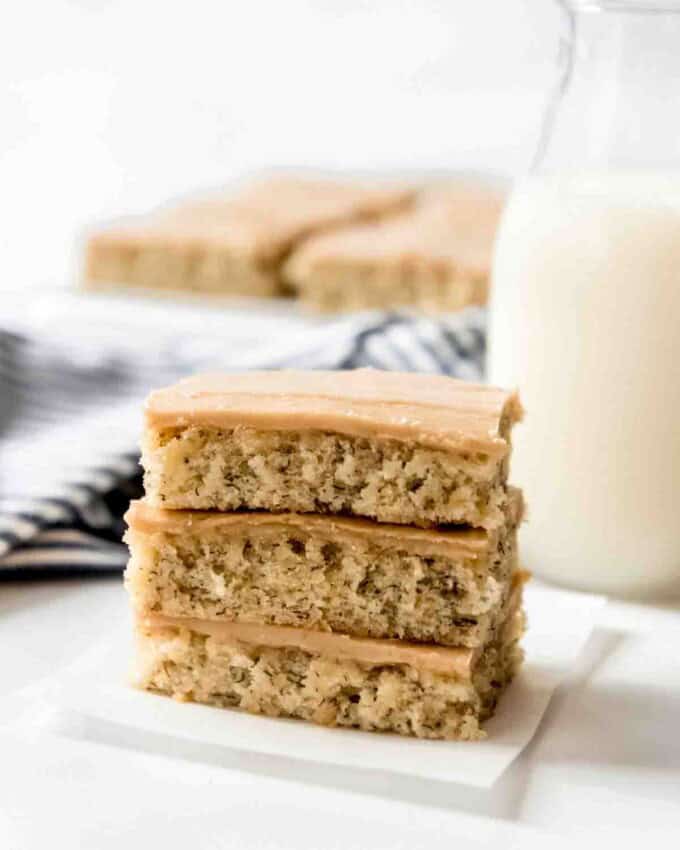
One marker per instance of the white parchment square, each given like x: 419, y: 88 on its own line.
x: 560, y: 622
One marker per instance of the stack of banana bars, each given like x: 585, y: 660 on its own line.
x: 338, y: 547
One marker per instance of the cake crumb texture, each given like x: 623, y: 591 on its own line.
x: 203, y: 468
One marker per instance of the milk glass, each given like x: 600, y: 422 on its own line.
x: 585, y: 308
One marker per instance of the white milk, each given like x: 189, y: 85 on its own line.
x: 585, y: 320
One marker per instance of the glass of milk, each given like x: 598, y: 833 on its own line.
x: 585, y: 308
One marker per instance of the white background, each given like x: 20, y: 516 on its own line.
x: 106, y: 108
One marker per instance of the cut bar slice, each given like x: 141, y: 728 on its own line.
x: 235, y: 243
x: 426, y: 691
x: 435, y: 256
x: 401, y: 448
x: 339, y: 574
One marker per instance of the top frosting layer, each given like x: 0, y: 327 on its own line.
x: 264, y: 217
x: 454, y: 226
x: 431, y: 410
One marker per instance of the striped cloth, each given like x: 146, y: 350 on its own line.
x: 70, y: 418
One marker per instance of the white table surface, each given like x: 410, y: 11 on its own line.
x: 604, y: 766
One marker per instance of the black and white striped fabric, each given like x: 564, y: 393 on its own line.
x: 70, y: 420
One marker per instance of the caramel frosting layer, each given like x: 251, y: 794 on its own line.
x: 449, y: 661
x: 470, y: 543
x: 448, y: 226
x: 431, y: 410
x: 263, y: 217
